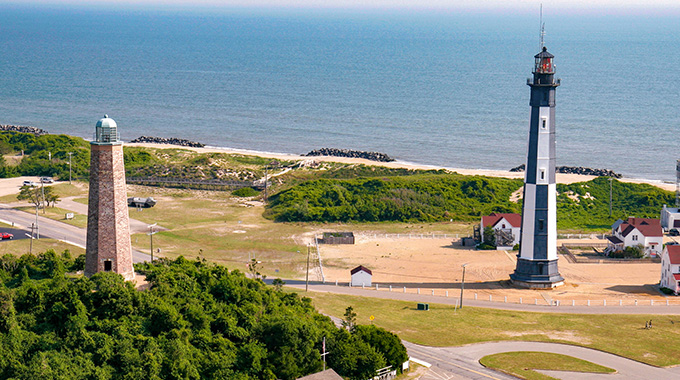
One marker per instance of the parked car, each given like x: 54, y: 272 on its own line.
x: 5, y: 236
x: 46, y: 180
x: 29, y: 183
x: 674, y: 232
x: 141, y: 202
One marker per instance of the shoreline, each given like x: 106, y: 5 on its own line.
x: 560, y: 177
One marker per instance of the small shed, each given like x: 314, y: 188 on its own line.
x: 361, y: 276
x: 337, y: 238
x: 328, y: 374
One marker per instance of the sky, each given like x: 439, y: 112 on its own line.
x: 582, y: 6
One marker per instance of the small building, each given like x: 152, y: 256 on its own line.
x: 670, y: 218
x: 361, y: 276
x: 507, y: 228
x: 328, y: 374
x: 337, y: 238
x: 670, y: 268
x: 636, y: 231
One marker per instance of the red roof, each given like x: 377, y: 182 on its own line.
x: 361, y: 268
x: 647, y: 227
x: 673, y: 254
x: 677, y: 277
x: 515, y: 220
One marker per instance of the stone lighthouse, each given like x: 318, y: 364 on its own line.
x: 108, y: 223
x: 537, y: 258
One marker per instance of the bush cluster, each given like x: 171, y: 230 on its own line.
x: 197, y: 321
x: 46, y: 155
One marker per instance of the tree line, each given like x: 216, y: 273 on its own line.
x: 196, y: 321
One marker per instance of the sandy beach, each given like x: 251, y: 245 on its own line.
x: 561, y: 178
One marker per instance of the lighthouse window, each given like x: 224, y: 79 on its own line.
x: 107, y: 266
x: 542, y: 173
x: 544, y: 123
x: 540, y: 224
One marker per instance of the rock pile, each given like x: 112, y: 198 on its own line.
x: 23, y: 129
x: 576, y: 170
x: 373, y: 156
x: 170, y: 140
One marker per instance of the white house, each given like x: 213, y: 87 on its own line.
x: 670, y: 218
x: 509, y: 226
x: 670, y: 268
x: 361, y: 276
x: 636, y: 231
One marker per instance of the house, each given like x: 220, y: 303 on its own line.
x: 361, y: 276
x: 507, y: 228
x: 670, y: 218
x: 670, y: 268
x: 636, y: 231
x: 328, y: 374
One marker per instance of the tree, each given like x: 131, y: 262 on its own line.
x: 385, y: 342
x: 350, y: 320
x: 37, y: 196
x: 278, y: 284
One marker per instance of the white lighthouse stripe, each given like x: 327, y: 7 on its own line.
x: 552, y: 222
x: 527, y: 247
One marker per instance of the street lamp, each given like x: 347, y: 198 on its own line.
x: 462, y: 286
x: 151, y: 233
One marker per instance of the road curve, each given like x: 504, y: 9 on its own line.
x: 468, y: 357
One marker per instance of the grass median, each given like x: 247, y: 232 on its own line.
x: 623, y: 335
x: 524, y: 364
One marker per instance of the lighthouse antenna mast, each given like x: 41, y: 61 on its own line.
x: 541, y: 34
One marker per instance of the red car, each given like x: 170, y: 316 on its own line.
x: 5, y: 235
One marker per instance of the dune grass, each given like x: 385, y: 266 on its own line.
x: 523, y: 364
x: 623, y: 335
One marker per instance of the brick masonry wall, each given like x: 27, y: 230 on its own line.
x: 108, y: 222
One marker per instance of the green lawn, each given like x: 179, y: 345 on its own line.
x: 523, y: 364
x: 56, y: 213
x: 623, y: 335
x: 19, y: 247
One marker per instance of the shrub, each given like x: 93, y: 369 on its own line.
x: 245, y: 192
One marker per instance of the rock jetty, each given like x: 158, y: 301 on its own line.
x: 23, y: 129
x: 373, y: 156
x: 577, y: 170
x: 170, y: 140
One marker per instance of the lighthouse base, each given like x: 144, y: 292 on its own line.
x: 536, y: 274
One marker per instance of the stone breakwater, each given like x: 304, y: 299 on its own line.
x: 576, y: 170
x: 373, y: 156
x: 23, y: 129
x: 170, y: 140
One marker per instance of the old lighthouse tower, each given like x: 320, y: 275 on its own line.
x: 108, y: 222
x: 537, y: 258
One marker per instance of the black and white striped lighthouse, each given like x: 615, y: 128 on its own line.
x: 537, y: 258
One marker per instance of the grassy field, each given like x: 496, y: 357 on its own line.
x: 56, y: 213
x: 623, y: 335
x: 523, y: 364
x: 18, y: 247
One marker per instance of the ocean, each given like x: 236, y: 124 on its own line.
x: 438, y: 88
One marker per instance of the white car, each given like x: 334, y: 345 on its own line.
x: 46, y: 180
x: 29, y: 183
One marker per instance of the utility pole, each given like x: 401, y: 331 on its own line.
x: 309, y: 247
x: 462, y: 286
x: 324, y: 353
x: 69, y: 167
x: 37, y: 231
x: 151, y: 233
x: 30, y: 249
x: 265, y: 184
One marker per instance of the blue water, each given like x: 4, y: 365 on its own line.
x: 433, y: 88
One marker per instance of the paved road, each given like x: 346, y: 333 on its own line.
x: 54, y: 229
x: 464, y: 361
x: 136, y: 226
x: 398, y: 294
